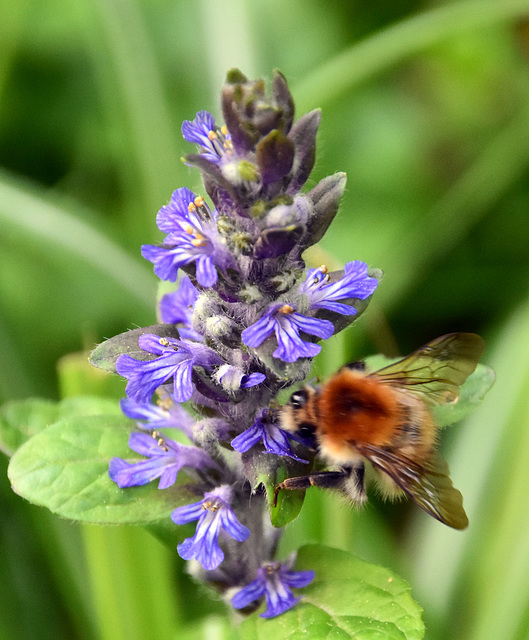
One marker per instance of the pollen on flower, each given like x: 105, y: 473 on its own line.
x: 286, y: 308
x: 199, y: 241
x: 199, y: 201
x: 165, y: 402
x: 159, y: 440
x: 212, y: 506
x: 164, y: 342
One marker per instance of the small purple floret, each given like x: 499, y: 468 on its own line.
x: 203, y: 131
x: 233, y: 378
x: 274, y: 581
x: 192, y: 236
x: 274, y: 439
x: 165, y: 458
x: 153, y: 416
x: 214, y: 515
x: 355, y: 283
x: 286, y: 323
x: 176, y: 360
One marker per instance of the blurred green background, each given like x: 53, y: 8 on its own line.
x: 426, y: 107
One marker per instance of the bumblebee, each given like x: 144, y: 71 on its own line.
x: 384, y: 419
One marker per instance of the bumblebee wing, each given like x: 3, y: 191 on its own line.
x: 438, y: 369
x: 429, y: 486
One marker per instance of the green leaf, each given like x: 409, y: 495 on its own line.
x: 105, y: 355
x: 22, y: 419
x: 289, y: 503
x: 268, y: 471
x: 77, y: 377
x: 349, y: 598
x: 65, y: 468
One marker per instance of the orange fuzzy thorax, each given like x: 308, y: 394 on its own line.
x: 355, y: 407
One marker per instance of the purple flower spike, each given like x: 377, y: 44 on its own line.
x: 165, y: 458
x: 322, y: 294
x: 214, y: 514
x: 283, y: 320
x: 274, y: 439
x: 177, y: 358
x: 239, y: 325
x: 274, y: 581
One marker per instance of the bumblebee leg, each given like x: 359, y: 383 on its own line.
x: 349, y: 480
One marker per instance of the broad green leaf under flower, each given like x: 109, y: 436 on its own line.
x: 348, y: 599
x: 22, y: 419
x: 65, y: 468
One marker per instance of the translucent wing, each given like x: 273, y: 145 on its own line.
x: 438, y: 369
x: 429, y: 485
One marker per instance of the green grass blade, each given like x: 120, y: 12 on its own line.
x: 125, y: 61
x: 464, y: 572
x: 133, y: 587
x: 37, y: 219
x: 499, y: 165
x: 391, y: 45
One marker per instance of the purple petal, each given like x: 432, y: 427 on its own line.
x: 166, y: 262
x: 156, y: 417
x: 126, y: 474
x: 276, y: 442
x: 169, y: 475
x: 151, y: 342
x: 290, y: 346
x: 206, y: 272
x: 197, y: 130
x: 250, y: 593
x: 171, y: 216
x: 187, y: 513
x: 298, y: 579
x: 313, y: 326
x: 252, y: 380
x: 278, y: 602
x: 257, y: 333
x: 204, y: 546
x: 337, y: 307
x: 364, y: 285
x: 143, y: 377
x: 230, y: 523
x: 247, y: 439
x: 177, y: 306
x: 144, y: 444
x: 183, y: 381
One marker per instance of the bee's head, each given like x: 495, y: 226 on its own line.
x: 297, y: 416
x: 299, y: 399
